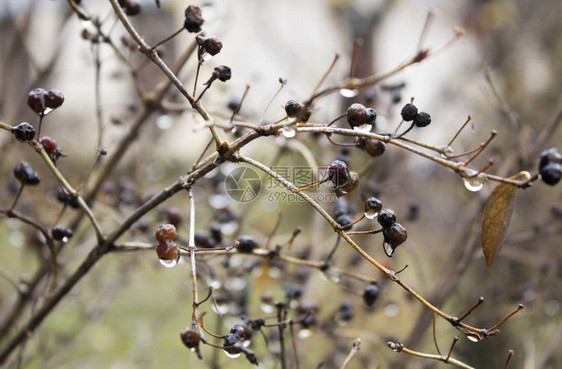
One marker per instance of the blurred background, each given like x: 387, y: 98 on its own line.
x: 128, y: 312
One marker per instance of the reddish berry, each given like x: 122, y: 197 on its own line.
x: 167, y: 251
x: 36, y: 100
x: 54, y: 99
x: 166, y: 233
x: 49, y: 144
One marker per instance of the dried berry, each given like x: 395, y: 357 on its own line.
x: 25, y: 174
x: 36, y: 100
x: 409, y: 112
x: 66, y: 199
x: 338, y: 173
x: 386, y: 218
x: 358, y: 115
x: 395, y: 235
x: 371, y: 146
x: 222, y: 73
x: 193, y: 19
x: 343, y: 221
x: 60, y: 232
x: 54, y: 99
x: 203, y: 240
x: 216, y: 232
x: 191, y: 339
x: 132, y: 8
x: 246, y: 244
x: 551, y: 173
x: 422, y: 120
x: 51, y: 147
x: 370, y: 294
x: 346, y: 311
x: 373, y: 205
x: 23, y: 132
x: 210, y: 45
x: 350, y: 186
x: 550, y: 156
x: 167, y: 251
x: 292, y: 108
x: 166, y: 233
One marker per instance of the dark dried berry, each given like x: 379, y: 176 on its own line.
x: 386, y: 218
x: 191, y: 339
x: 373, y: 205
x: 357, y: 115
x: 23, y: 132
x: 203, y: 240
x: 222, y: 72
x: 409, y: 112
x: 246, y: 244
x: 166, y: 233
x: 216, y: 232
x: 341, y: 207
x: 350, y: 186
x: 304, y: 114
x: 25, y: 175
x: 210, y: 45
x: 193, y: 19
x: 370, y: 294
x: 551, y: 173
x: 132, y: 8
x: 371, y: 116
x: 123, y: 3
x: 233, y: 103
x: 167, y: 250
x: 395, y: 235
x: 550, y: 156
x: 54, y: 99
x: 66, y: 199
x: 343, y: 221
x: 338, y: 173
x: 293, y: 292
x: 396, y: 96
x: 292, y: 108
x: 60, y: 232
x: 422, y: 120
x: 36, y: 100
x: 174, y: 216
x: 346, y: 311
x: 371, y: 146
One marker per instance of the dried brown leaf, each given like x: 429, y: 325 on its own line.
x: 497, y: 216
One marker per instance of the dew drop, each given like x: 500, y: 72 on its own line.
x: 206, y: 56
x: 349, y: 93
x: 192, y: 349
x: 363, y: 128
x: 371, y: 215
x: 474, y: 184
x: 232, y: 356
x: 47, y: 111
x: 473, y: 337
x: 391, y: 310
x: 447, y: 152
x: 215, y: 284
x: 168, y: 263
x: 247, y: 343
x: 388, y: 249
x: 289, y: 132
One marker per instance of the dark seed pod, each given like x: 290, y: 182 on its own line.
x: 66, y: 199
x: 551, y: 173
x: 60, y: 232
x: 292, y: 108
x: 191, y: 339
x: 409, y: 112
x: 246, y: 244
x: 343, y: 221
x: 25, y: 174
x: 222, y: 73
x: 36, y: 100
x: 386, y: 218
x: 193, y: 19
x: 422, y: 120
x: 357, y: 115
x: 338, y: 173
x: 23, y: 132
x: 373, y: 205
x: 370, y: 294
x: 54, y: 99
x: 395, y: 235
x: 211, y: 45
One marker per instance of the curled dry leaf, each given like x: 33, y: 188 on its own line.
x: 497, y: 216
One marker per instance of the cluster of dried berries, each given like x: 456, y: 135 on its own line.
x: 410, y: 113
x: 131, y: 7
x: 343, y: 180
x: 549, y: 166
x: 25, y: 174
x: 40, y: 100
x: 361, y: 118
x: 394, y: 233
